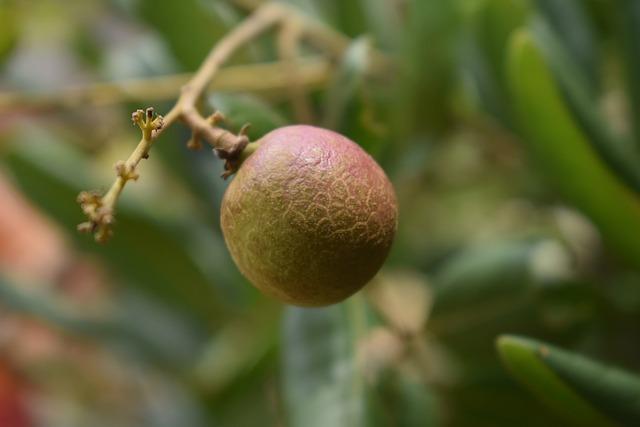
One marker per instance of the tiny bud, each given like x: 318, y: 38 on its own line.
x: 83, y: 197
x: 158, y: 123
x: 86, y: 198
x: 105, y: 215
x: 216, y: 118
x: 103, y: 235
x: 136, y: 116
x: 194, y: 143
x: 86, y: 227
x: 126, y: 171
x: 120, y: 168
x: 244, y: 129
x: 149, y: 113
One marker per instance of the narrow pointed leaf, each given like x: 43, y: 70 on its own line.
x: 321, y: 382
x: 189, y: 28
x: 491, y: 23
x: 562, y: 152
x: 405, y: 400
x: 570, y: 21
x: 616, y: 150
x: 629, y: 19
x: 586, y: 392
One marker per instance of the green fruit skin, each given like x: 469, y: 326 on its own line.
x: 310, y: 217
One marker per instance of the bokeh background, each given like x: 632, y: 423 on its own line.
x: 510, y: 129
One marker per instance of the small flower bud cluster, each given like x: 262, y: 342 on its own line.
x: 99, y: 209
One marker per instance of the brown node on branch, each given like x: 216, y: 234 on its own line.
x: 195, y: 142
x: 233, y: 160
x: 227, y: 146
x: 100, y: 216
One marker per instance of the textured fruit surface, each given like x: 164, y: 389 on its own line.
x: 310, y: 217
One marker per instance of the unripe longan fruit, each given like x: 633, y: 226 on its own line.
x: 309, y: 217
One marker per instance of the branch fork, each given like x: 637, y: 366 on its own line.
x: 100, y: 210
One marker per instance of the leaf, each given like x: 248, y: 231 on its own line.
x: 346, y: 82
x: 116, y: 328
x: 382, y: 19
x: 579, y: 388
x: 188, y: 27
x: 427, y: 66
x: 629, y: 27
x: 322, y: 386
x: 482, y: 286
x: 150, y: 253
x: 562, y: 152
x: 492, y: 23
x: 405, y: 401
x: 350, y: 17
x: 416, y: 404
x: 481, y: 272
x: 618, y: 152
x: 43, y: 308
x: 490, y: 27
x: 354, y: 105
x: 237, y: 348
x: 9, y: 24
x: 570, y: 22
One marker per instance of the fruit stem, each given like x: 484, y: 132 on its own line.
x: 228, y: 146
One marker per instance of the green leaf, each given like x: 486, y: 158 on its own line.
x: 346, y: 83
x: 322, y: 386
x: 354, y: 104
x: 483, y: 285
x: 382, y: 20
x: 350, y: 17
x: 427, y: 66
x: 629, y: 27
x: 492, y: 23
x: 570, y: 21
x: 618, y: 152
x: 405, y: 401
x: 563, y: 153
x: 9, y: 25
x: 579, y: 388
x: 233, y: 353
x: 188, y: 27
x: 482, y: 272
x: 116, y: 328
x: 45, y: 309
x: 490, y: 27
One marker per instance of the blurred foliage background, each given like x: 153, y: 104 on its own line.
x: 511, y: 131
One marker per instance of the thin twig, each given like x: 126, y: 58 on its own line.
x: 270, y: 78
x: 100, y: 209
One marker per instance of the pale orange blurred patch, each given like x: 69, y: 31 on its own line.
x: 31, y: 247
x: 403, y: 298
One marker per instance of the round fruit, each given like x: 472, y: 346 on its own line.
x: 310, y: 217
